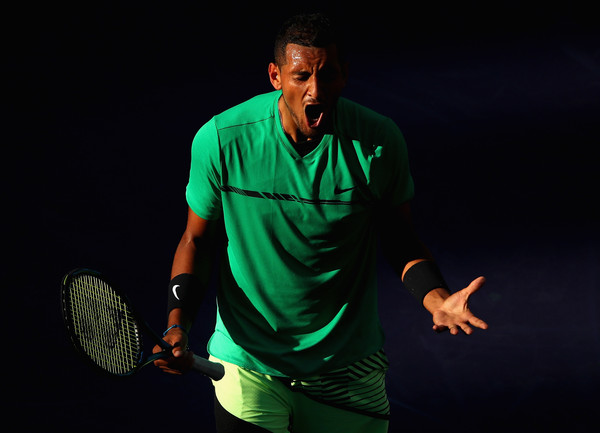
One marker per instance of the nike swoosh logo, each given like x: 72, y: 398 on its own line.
x: 175, y: 291
x: 339, y: 190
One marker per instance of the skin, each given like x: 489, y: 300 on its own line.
x: 310, y: 77
x: 314, y: 76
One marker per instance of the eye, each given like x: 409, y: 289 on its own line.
x: 302, y: 76
x: 328, y: 74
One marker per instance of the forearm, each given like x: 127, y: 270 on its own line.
x: 187, y: 288
x: 191, y: 269
x: 185, y: 259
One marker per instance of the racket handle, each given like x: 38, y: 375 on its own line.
x: 214, y: 370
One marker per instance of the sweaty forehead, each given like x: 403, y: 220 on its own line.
x: 297, y: 55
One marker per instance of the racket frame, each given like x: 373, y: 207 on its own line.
x: 211, y: 369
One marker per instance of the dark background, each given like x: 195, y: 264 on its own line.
x: 499, y: 103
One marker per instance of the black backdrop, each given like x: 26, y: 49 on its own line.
x: 499, y: 104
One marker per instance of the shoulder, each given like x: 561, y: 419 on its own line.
x: 351, y: 108
x: 355, y: 120
x: 359, y: 123
x: 252, y: 111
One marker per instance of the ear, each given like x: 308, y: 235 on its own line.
x: 275, y: 76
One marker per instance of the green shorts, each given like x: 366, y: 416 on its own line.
x: 281, y: 405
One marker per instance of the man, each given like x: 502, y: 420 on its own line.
x: 303, y: 183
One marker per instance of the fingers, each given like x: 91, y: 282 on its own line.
x: 443, y: 328
x: 455, y: 328
x: 454, y: 314
x: 181, y: 359
x: 178, y: 352
x: 465, y: 328
x: 180, y: 363
x: 478, y: 323
x: 439, y: 328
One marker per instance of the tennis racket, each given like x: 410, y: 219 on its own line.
x: 106, y: 330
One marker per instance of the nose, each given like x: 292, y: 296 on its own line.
x: 314, y: 88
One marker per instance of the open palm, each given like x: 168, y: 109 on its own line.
x: 454, y: 313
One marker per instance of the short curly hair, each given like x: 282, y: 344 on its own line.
x: 308, y: 30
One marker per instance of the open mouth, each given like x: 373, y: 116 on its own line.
x: 314, y: 114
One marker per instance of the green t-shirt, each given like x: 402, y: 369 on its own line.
x: 298, y: 293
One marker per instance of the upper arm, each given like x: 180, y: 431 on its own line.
x: 393, y: 170
x: 203, y: 233
x: 197, y: 227
x: 399, y: 239
x: 396, y: 222
x: 198, y: 245
x: 203, y: 192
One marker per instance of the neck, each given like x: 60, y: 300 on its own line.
x: 303, y: 145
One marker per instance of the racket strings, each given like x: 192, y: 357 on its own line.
x: 105, y: 325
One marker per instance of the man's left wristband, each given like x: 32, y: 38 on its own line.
x: 423, y: 277
x: 186, y: 292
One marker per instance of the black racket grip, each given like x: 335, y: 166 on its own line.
x: 214, y: 370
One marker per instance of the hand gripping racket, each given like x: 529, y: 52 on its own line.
x: 106, y: 330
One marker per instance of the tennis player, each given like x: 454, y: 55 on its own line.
x: 303, y: 182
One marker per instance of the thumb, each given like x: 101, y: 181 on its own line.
x: 178, y: 352
x: 475, y: 285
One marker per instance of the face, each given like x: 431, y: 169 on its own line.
x: 311, y: 82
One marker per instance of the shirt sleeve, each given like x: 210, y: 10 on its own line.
x: 203, y: 191
x: 394, y: 181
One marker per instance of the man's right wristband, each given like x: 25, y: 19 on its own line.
x: 186, y: 292
x: 423, y: 277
